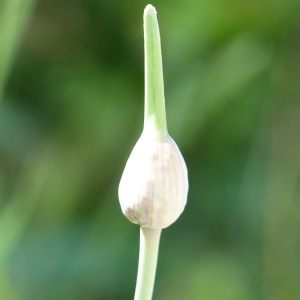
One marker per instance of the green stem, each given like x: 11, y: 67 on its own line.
x: 149, y: 244
x: 155, y: 113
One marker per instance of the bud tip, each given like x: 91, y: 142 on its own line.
x: 150, y: 9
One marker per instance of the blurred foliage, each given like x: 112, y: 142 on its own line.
x: 72, y: 110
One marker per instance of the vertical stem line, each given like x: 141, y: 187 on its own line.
x: 149, y: 244
x: 155, y: 113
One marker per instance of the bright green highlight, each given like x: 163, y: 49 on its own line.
x: 155, y: 113
x: 14, y: 15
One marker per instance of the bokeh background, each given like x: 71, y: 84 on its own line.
x: 71, y: 89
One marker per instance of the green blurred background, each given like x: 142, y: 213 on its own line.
x: 71, y: 88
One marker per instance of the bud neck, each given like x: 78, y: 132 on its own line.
x: 155, y: 113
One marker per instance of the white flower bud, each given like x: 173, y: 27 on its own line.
x: 153, y: 189
x: 154, y: 185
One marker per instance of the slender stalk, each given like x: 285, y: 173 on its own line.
x: 155, y: 113
x: 149, y: 244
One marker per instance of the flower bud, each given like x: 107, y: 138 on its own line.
x: 154, y: 185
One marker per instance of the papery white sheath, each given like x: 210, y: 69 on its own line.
x: 154, y: 185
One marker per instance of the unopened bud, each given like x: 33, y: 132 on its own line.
x: 154, y: 185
